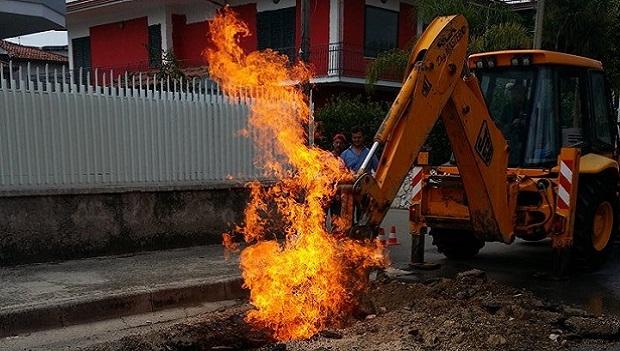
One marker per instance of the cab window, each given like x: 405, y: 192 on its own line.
x: 570, y: 107
x: 509, y: 94
x: 601, y: 128
x: 542, y: 144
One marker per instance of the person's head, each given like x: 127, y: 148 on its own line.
x: 339, y: 142
x: 516, y: 92
x: 357, y: 136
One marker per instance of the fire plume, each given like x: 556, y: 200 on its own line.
x: 311, y: 280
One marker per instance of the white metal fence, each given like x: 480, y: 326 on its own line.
x: 64, y: 131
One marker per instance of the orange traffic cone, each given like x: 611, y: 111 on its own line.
x: 392, y: 239
x: 381, y: 237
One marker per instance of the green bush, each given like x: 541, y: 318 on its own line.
x: 438, y: 145
x: 342, y: 112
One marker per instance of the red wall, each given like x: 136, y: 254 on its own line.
x: 190, y: 40
x: 319, y: 23
x: 353, y: 23
x: 406, y: 26
x: 248, y: 14
x: 319, y: 35
x: 120, y: 45
x: 354, y: 64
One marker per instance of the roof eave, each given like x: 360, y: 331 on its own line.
x: 85, y: 5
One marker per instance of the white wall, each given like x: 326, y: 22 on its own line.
x: 335, y: 21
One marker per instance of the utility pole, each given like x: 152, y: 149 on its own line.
x: 540, y: 18
x: 304, y: 55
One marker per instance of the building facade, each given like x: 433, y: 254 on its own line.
x: 345, y: 35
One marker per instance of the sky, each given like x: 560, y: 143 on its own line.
x: 52, y: 37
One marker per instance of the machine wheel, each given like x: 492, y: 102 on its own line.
x: 456, y: 245
x: 595, y: 221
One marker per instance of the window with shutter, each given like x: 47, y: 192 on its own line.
x: 81, y: 52
x: 380, y: 31
x: 276, y: 30
x: 155, y: 45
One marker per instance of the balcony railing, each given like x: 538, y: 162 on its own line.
x: 329, y: 60
x: 338, y: 60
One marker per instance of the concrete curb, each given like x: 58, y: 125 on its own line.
x: 21, y: 320
x: 142, y: 188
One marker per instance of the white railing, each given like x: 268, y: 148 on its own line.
x: 61, y: 131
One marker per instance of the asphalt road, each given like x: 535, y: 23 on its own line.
x: 519, y: 265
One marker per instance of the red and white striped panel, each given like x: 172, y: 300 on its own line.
x: 416, y: 182
x: 565, y: 184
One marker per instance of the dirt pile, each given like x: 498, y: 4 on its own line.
x: 469, y: 312
x: 466, y: 313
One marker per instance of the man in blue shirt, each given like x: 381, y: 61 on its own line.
x: 355, y: 155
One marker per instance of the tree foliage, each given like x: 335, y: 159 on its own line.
x: 480, y: 16
x: 170, y: 67
x: 501, y: 36
x: 393, y: 62
x: 588, y: 28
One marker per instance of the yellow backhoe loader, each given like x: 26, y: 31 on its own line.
x: 533, y: 138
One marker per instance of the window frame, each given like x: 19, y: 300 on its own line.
x: 364, y: 48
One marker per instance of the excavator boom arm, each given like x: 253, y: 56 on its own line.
x: 437, y: 88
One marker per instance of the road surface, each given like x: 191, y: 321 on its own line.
x: 518, y: 264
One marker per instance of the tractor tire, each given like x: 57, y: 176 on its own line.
x: 455, y: 244
x: 595, y: 221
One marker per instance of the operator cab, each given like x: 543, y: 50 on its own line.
x: 543, y: 101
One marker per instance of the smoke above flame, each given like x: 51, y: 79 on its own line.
x: 310, y: 280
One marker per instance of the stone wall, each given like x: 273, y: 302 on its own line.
x: 56, y: 227
x: 405, y: 193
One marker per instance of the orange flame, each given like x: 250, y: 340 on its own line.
x: 311, y: 280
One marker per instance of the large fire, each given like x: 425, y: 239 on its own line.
x: 310, y: 280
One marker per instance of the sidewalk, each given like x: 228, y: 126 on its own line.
x: 52, y: 295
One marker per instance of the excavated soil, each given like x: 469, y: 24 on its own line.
x: 469, y: 312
